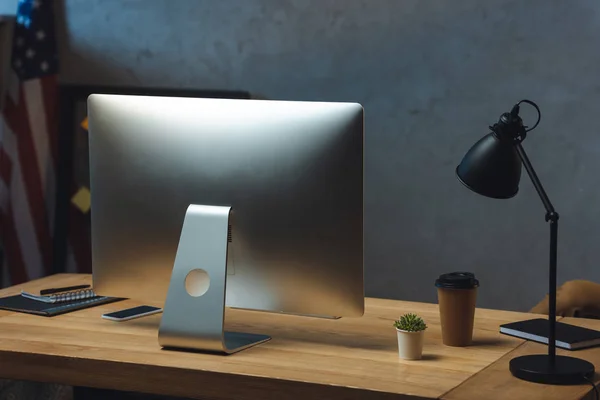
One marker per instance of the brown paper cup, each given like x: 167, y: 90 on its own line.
x: 457, y: 295
x: 457, y: 313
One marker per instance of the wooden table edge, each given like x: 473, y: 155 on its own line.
x: 173, y: 381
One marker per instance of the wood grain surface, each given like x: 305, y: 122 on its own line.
x: 496, y: 381
x: 350, y: 358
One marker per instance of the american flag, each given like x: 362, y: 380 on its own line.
x: 29, y: 145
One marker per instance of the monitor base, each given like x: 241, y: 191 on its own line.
x: 194, y: 311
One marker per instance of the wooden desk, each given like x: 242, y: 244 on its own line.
x: 496, y: 382
x: 353, y: 358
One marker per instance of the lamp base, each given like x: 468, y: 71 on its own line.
x: 565, y: 371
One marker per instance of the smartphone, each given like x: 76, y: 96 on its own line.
x: 131, y: 313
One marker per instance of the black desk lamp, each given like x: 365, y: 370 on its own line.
x: 492, y: 167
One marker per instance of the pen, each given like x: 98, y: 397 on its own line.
x: 63, y: 289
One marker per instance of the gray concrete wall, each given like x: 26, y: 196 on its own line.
x: 432, y: 75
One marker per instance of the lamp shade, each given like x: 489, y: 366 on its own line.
x: 491, y: 167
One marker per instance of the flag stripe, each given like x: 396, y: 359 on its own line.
x: 17, y: 121
x: 12, y: 248
x: 5, y: 167
x: 6, y: 282
x: 9, y: 142
x: 41, y: 143
x: 50, y: 91
x: 5, y: 173
x: 4, y: 197
x: 12, y: 86
x: 7, y: 152
x: 24, y: 226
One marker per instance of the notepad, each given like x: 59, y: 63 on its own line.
x: 569, y: 337
x: 25, y: 305
x: 60, y: 297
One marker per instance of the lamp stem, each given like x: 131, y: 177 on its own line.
x: 552, y: 218
x: 552, y: 292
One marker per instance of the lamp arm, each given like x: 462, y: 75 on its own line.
x: 550, y: 213
x: 552, y: 218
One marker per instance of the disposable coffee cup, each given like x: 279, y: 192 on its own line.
x: 457, y: 295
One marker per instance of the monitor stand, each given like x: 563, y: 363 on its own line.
x: 194, y: 311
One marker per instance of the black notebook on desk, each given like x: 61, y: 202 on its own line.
x: 23, y: 304
x: 568, y: 337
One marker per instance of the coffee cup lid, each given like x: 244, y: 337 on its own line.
x: 457, y: 280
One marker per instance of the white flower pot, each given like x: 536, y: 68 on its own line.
x: 410, y: 344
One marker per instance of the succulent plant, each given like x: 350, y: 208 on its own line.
x: 410, y: 323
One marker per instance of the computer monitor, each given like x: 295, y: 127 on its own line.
x: 288, y: 176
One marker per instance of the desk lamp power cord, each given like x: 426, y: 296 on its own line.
x: 591, y: 382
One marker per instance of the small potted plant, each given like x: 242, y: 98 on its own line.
x: 410, y: 329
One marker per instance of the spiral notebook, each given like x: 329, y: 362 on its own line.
x: 23, y: 304
x: 61, y: 297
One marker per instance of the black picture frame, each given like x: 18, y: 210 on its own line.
x: 72, y: 101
